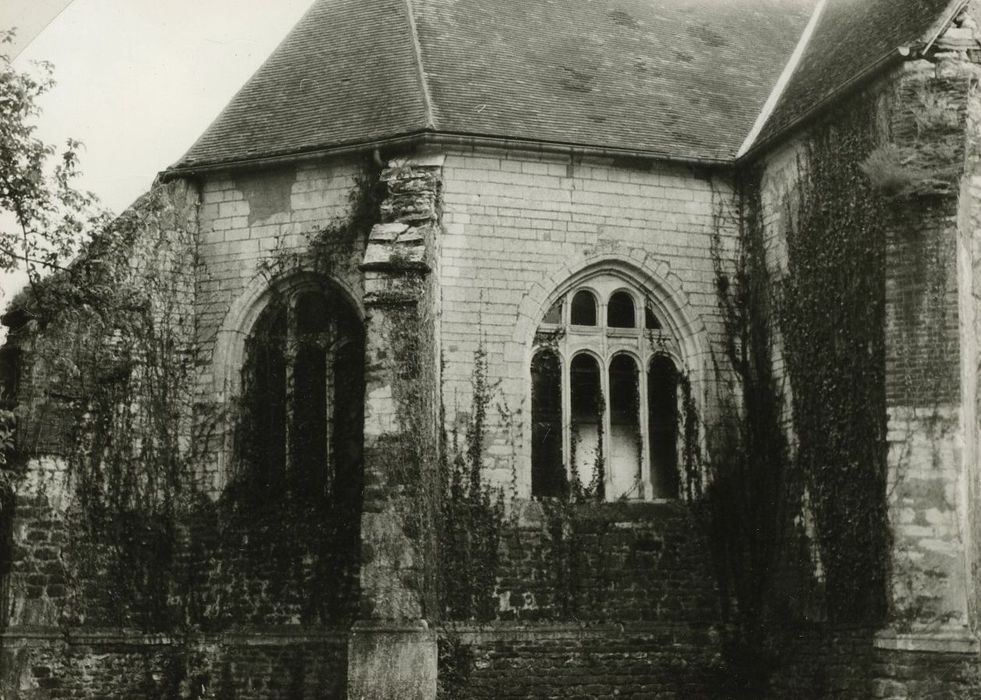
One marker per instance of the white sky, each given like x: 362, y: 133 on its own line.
x: 140, y: 80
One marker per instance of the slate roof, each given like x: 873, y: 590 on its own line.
x: 346, y: 72
x: 680, y: 79
x: 685, y: 78
x: 851, y: 39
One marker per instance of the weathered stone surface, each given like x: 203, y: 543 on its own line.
x: 391, y: 661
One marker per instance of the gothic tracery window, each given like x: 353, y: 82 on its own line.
x: 303, y: 395
x: 604, y: 395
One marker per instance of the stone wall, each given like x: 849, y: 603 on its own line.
x: 928, y: 379
x: 857, y: 663
x: 595, y: 600
x: 969, y: 294
x: 923, y: 343
x: 266, y: 666
x: 516, y: 226
x: 223, y: 563
x: 613, y: 562
x: 584, y: 661
x: 258, y: 231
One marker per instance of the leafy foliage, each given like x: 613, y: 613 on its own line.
x: 833, y: 322
x: 48, y: 216
x: 928, y: 161
x: 472, y: 517
x: 749, y: 478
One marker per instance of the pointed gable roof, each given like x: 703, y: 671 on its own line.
x: 681, y: 79
x: 852, y: 40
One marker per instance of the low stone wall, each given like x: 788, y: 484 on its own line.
x: 826, y: 662
x: 267, y: 665
x: 595, y: 600
x: 614, y: 562
x: 654, y: 660
x: 582, y: 661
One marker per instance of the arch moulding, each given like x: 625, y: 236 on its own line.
x: 640, y: 269
x: 229, y: 349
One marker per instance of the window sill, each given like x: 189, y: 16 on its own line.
x: 531, y: 512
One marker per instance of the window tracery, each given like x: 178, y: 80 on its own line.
x: 605, y: 395
x: 302, y: 383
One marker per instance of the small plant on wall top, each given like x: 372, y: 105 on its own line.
x: 926, y: 159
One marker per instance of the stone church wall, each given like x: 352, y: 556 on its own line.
x: 622, y: 601
x: 517, y: 225
x: 927, y: 646
x: 256, y: 229
x: 619, y: 597
x: 234, y: 601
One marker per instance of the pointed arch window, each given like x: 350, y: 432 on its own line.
x: 303, y: 388
x: 605, y: 395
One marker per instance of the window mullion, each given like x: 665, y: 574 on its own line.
x: 645, y: 438
x: 566, y: 360
x: 330, y: 350
x: 606, y: 425
x: 290, y: 353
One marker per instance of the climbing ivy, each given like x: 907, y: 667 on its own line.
x: 114, y: 351
x: 833, y: 323
x: 472, y: 518
x: 797, y: 493
x: 750, y: 487
x: 111, y: 344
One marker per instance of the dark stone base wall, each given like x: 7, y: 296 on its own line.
x: 852, y: 664
x: 107, y: 666
x: 505, y: 660
x: 904, y: 674
x: 573, y: 661
x: 595, y: 600
x: 651, y: 660
x: 608, y: 562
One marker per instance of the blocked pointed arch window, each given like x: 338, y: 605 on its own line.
x: 303, y: 395
x: 605, y: 406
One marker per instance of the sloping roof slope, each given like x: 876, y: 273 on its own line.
x: 851, y: 39
x: 346, y: 72
x: 676, y: 78
x: 685, y: 78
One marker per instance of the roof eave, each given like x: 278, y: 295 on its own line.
x: 436, y: 138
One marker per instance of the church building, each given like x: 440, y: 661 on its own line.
x: 524, y: 349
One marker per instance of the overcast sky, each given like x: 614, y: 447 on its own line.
x: 140, y: 80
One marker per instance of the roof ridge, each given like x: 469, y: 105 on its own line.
x: 788, y: 71
x: 423, y: 81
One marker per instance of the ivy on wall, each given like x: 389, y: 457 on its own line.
x: 108, y: 384
x: 112, y: 367
x: 833, y: 322
x: 797, y: 486
x: 472, y: 517
x: 751, y: 494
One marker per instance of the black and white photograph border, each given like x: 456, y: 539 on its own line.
x: 451, y: 349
